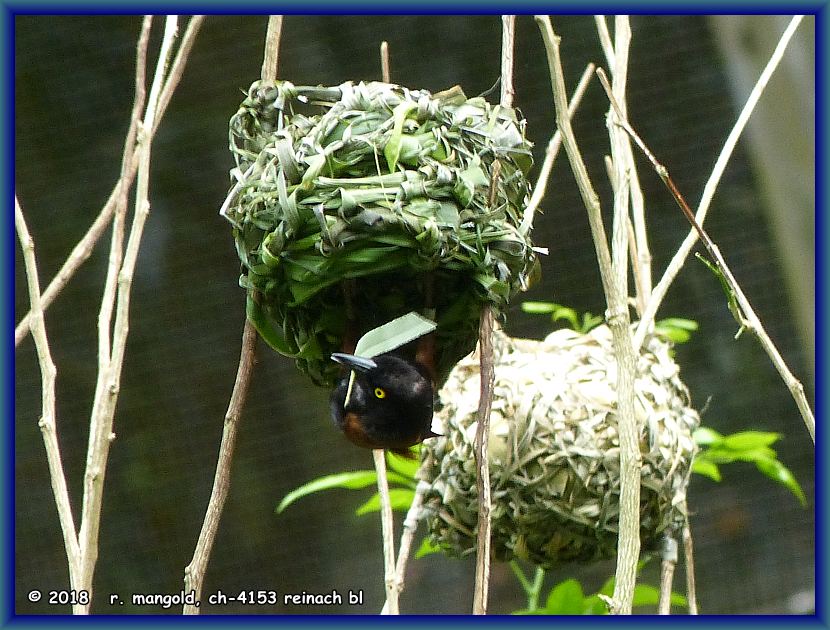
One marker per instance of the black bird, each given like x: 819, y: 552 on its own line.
x: 390, y: 405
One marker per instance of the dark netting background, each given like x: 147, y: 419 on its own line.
x: 74, y: 82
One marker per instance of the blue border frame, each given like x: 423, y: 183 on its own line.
x: 7, y: 12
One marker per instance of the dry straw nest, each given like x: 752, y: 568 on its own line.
x: 554, y: 449
x: 383, y: 193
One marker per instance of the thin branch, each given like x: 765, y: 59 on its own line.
x: 742, y: 309
x: 385, y: 66
x: 485, y: 345
x: 641, y: 263
x: 589, y: 196
x: 178, y: 65
x: 668, y: 562
x: 391, y: 606
x: 689, y: 561
x: 605, y: 40
x: 508, y: 37
x: 552, y: 151
x: 392, y: 579
x: 194, y: 573
x: 270, y: 61
x: 108, y: 384
x: 117, y: 243
x: 628, y: 547
x: 410, y: 526
x: 47, y: 422
x: 83, y: 249
x: 679, y: 259
x: 612, y: 274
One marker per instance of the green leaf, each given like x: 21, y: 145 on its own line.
x: 568, y: 315
x: 706, y: 468
x: 590, y: 321
x: 539, y: 308
x: 607, y: 588
x: 400, y: 498
x: 594, y: 605
x: 351, y: 480
x: 266, y: 329
x: 749, y: 440
x: 403, y: 465
x: 393, y: 334
x: 645, y: 595
x: 776, y: 471
x: 676, y: 329
x: 703, y: 436
x: 566, y: 598
x: 392, y: 150
x: 427, y: 548
x: 732, y: 300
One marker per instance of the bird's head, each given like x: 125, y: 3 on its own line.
x: 388, y: 405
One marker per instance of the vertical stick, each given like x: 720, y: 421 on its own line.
x: 485, y: 345
x: 47, y: 422
x: 194, y: 573
x: 628, y: 547
x: 668, y: 561
x: 111, y: 357
x: 270, y: 59
x: 617, y: 317
x: 689, y: 560
x: 485, y: 341
x: 391, y: 606
x: 391, y: 578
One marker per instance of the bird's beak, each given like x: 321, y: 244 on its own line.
x: 360, y: 364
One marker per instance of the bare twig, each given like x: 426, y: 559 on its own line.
x: 194, y: 574
x: 689, y: 561
x: 744, y: 313
x: 641, y: 256
x: 47, y: 422
x: 410, y: 526
x: 709, y: 189
x: 508, y: 37
x: 178, y: 65
x: 391, y: 606
x: 613, y: 274
x: 552, y: 151
x: 485, y: 344
x: 83, y: 249
x: 385, y: 67
x: 628, y: 547
x: 605, y: 40
x: 392, y: 579
x: 108, y: 384
x: 117, y: 204
x: 668, y: 562
x: 117, y: 243
x: 270, y: 60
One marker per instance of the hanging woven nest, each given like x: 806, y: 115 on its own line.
x: 554, y: 449
x: 383, y: 193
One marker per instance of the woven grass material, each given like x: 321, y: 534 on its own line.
x: 381, y: 187
x: 554, y: 449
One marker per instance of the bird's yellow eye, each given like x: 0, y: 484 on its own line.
x: 380, y: 393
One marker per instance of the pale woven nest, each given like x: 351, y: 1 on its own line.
x: 554, y: 449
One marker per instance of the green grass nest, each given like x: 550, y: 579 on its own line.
x: 554, y: 450
x: 382, y: 193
